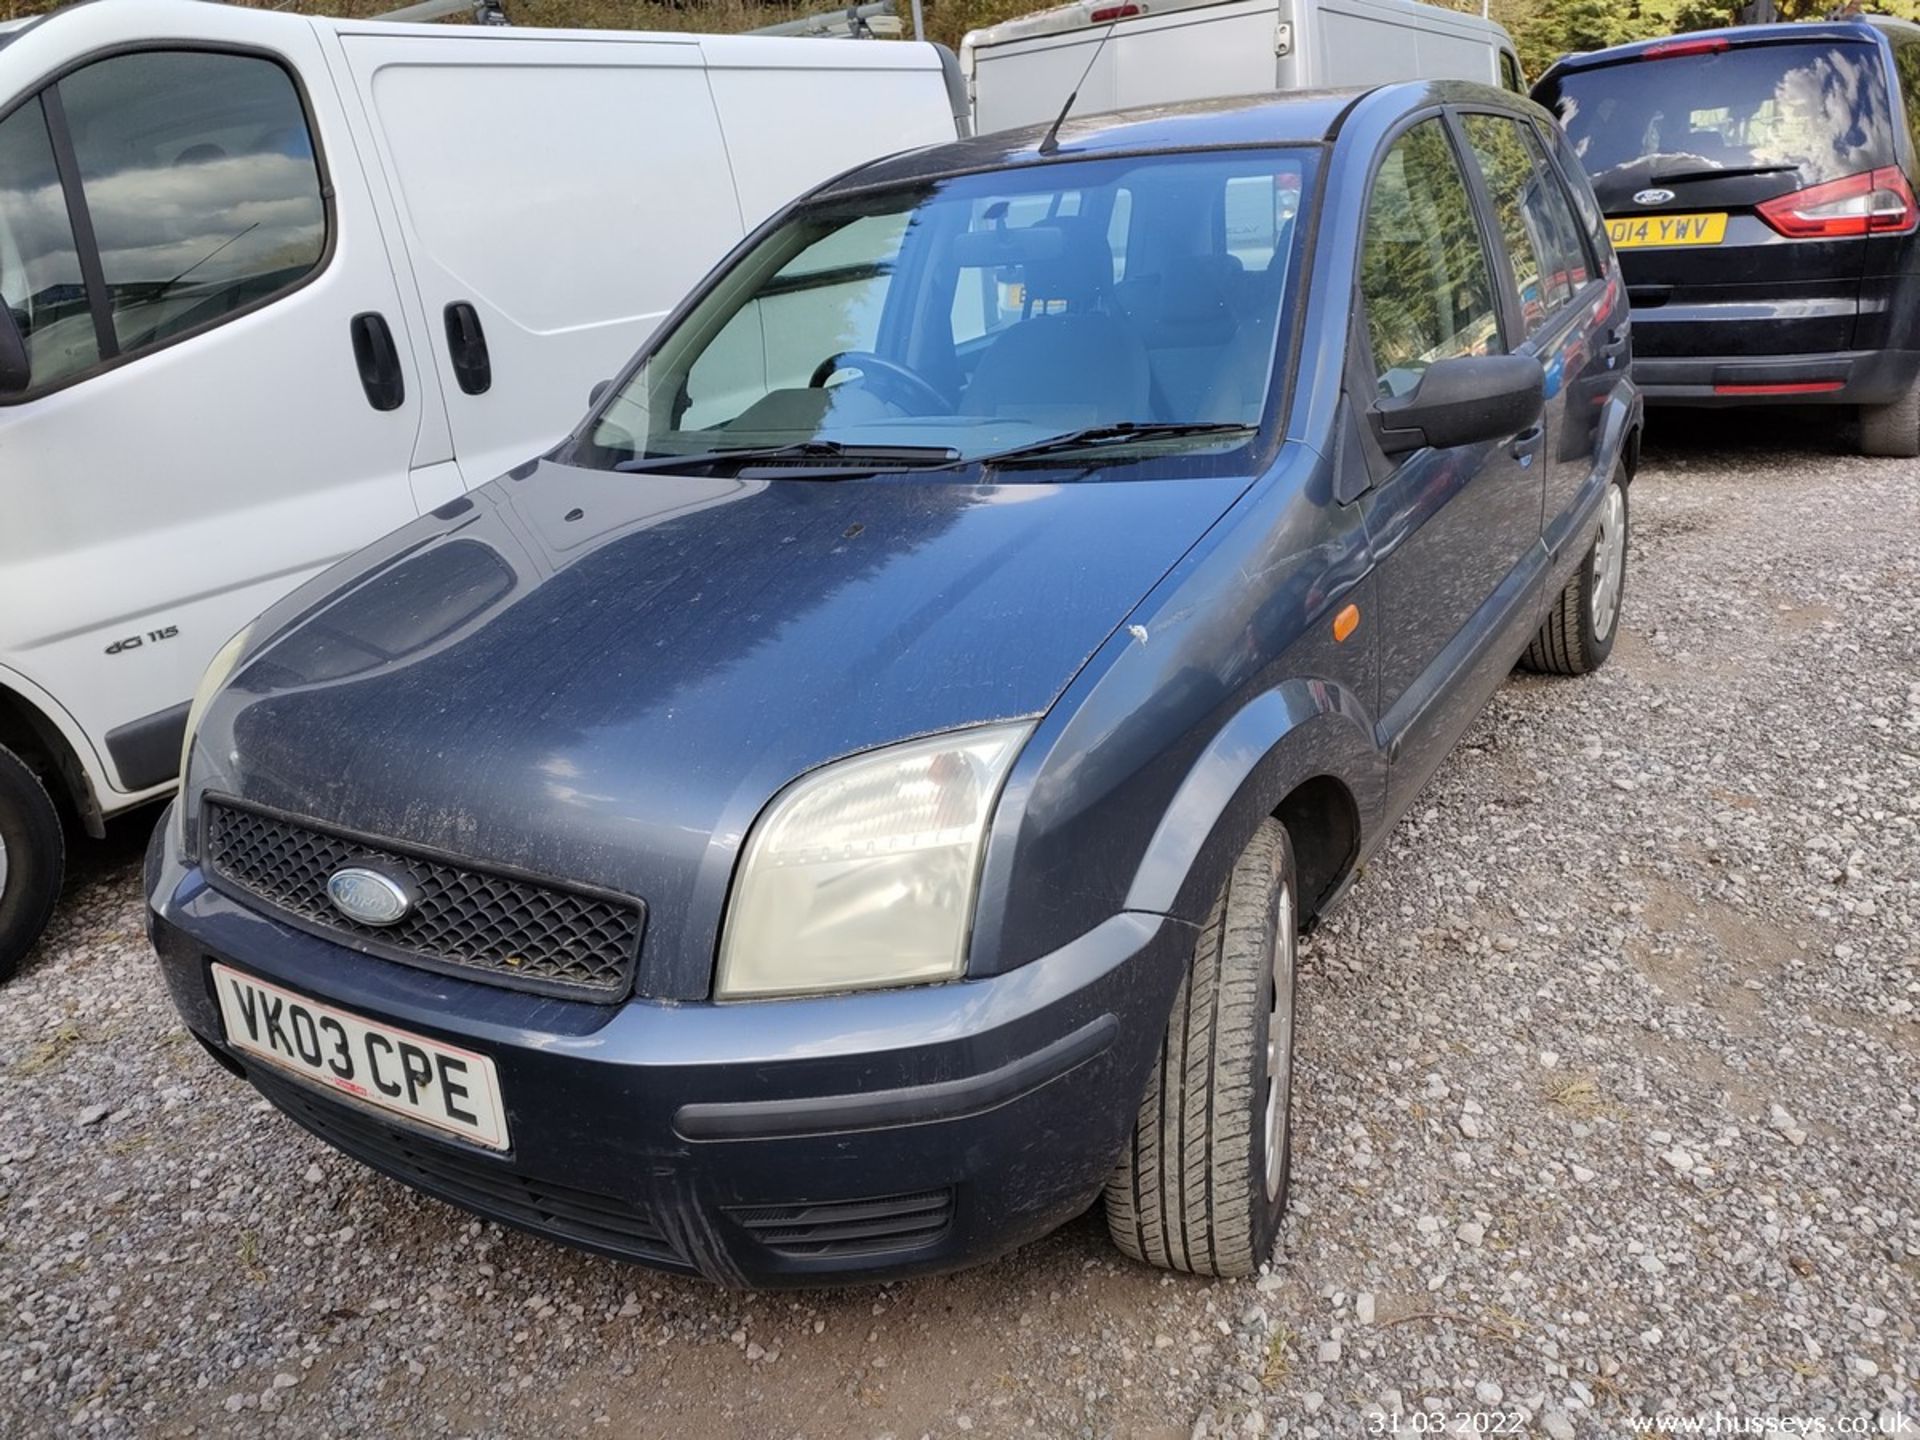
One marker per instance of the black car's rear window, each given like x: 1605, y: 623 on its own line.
x: 1819, y: 108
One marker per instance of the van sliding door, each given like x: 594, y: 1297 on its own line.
x: 556, y: 198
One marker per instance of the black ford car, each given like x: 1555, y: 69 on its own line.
x: 852, y: 805
x: 1758, y: 184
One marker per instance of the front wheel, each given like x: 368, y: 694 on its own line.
x: 1577, y: 635
x: 32, y: 860
x: 1202, y: 1183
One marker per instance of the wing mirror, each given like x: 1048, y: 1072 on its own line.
x: 600, y: 387
x: 15, y: 370
x: 1462, y: 401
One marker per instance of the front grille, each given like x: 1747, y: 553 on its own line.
x: 485, y: 925
x: 849, y: 1227
x: 486, y: 1186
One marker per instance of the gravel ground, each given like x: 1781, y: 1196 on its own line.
x: 1607, y: 1107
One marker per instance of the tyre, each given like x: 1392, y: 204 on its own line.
x: 33, y: 858
x: 1577, y: 635
x: 1202, y: 1183
x: 1894, y: 429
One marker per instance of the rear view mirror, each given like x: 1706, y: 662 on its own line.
x: 15, y: 372
x: 1462, y: 401
x: 600, y: 387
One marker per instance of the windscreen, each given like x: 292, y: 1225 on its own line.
x: 1809, y: 112
x: 978, y: 315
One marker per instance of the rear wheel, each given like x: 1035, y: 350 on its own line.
x: 1892, y: 430
x: 1577, y: 635
x: 33, y: 857
x: 1202, y: 1184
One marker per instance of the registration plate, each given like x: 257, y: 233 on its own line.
x: 450, y: 1089
x: 1631, y: 231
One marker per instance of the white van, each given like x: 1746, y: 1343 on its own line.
x: 1162, y: 51
x: 279, y: 284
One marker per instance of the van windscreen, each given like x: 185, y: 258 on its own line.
x: 1811, y: 112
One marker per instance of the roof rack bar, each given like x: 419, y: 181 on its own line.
x: 849, y: 20
x: 484, y: 12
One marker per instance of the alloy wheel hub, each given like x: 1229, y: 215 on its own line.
x: 1609, y: 563
x: 1279, y: 1044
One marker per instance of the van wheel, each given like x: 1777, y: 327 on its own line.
x: 1892, y: 430
x: 33, y: 859
x: 1577, y: 635
x: 1202, y: 1183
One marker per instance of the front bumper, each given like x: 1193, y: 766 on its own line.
x: 759, y: 1143
x: 1851, y: 377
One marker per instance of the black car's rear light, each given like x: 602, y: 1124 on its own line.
x: 1873, y: 202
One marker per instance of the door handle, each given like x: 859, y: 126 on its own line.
x: 1523, y: 446
x: 467, y: 347
x: 378, y: 360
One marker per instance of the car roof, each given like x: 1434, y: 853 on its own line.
x: 1866, y: 29
x: 1300, y: 117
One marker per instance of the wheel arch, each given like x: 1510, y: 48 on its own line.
x: 1303, y: 753
x: 37, y: 738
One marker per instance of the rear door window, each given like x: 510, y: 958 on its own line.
x: 1534, y: 234
x: 1580, y: 192
x: 1810, y: 112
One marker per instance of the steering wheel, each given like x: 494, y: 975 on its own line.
x: 886, y: 372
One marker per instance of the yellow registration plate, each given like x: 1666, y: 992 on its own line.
x: 1632, y: 230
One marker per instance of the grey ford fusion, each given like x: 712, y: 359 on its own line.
x: 852, y: 805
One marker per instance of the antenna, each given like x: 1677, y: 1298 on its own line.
x: 1050, y: 141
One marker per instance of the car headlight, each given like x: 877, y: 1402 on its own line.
x: 864, y: 872
x: 219, y: 670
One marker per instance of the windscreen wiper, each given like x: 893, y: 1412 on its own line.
x: 1095, y: 437
x: 879, y: 457
x: 1709, y: 172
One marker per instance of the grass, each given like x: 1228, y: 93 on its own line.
x: 49, y: 1052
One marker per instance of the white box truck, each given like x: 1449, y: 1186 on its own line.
x: 274, y: 285
x: 1163, y: 51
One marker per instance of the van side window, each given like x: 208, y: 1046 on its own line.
x: 199, y: 176
x: 1510, y: 74
x: 40, y: 279
x: 1423, y: 267
x: 1530, y: 210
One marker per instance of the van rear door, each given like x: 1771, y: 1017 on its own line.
x: 557, y: 196
x: 1736, y: 177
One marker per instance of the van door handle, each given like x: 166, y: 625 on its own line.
x: 467, y: 347
x: 379, y: 361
